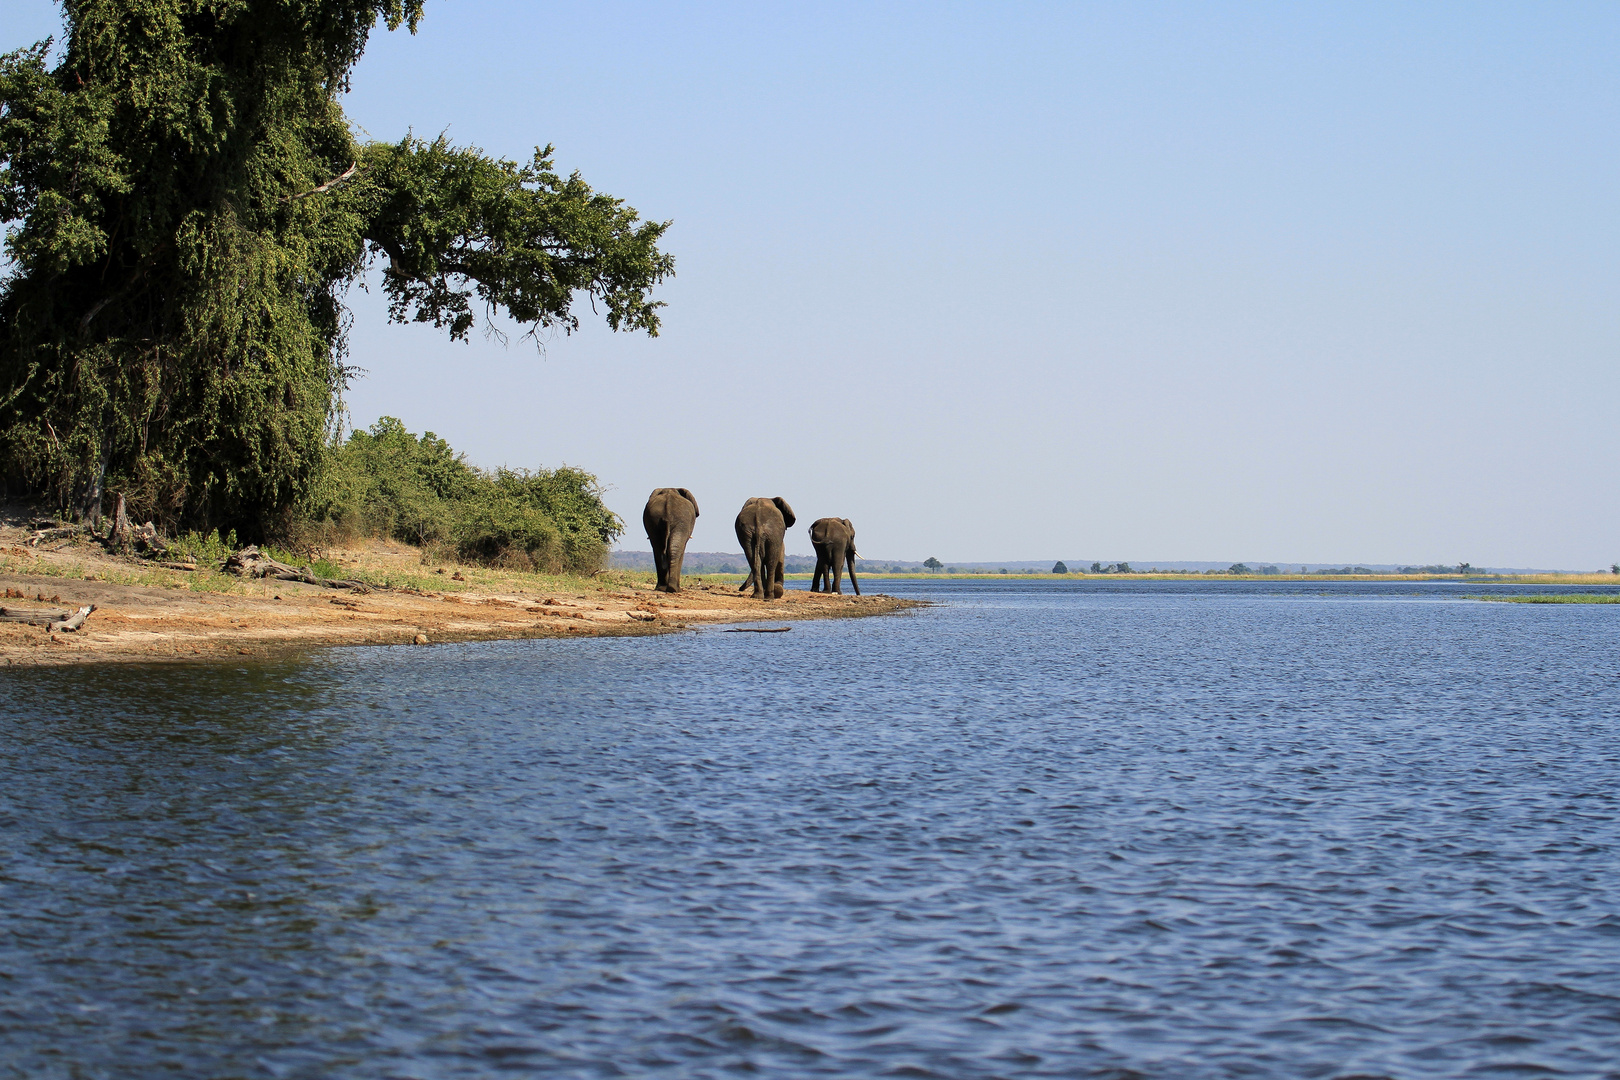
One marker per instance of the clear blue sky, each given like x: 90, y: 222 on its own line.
x: 1294, y: 282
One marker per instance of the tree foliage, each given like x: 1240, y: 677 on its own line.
x: 185, y: 206
x: 390, y: 482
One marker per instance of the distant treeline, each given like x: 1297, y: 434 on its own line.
x: 719, y: 562
x: 708, y: 562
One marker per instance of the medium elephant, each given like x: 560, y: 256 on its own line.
x: 668, y: 518
x: 834, y: 541
x: 762, y: 527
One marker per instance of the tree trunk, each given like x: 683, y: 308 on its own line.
x: 119, y: 538
x: 90, y: 502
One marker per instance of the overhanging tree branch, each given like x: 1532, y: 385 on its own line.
x: 328, y: 186
x: 179, y: 224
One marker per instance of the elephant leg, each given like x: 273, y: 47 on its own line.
x: 674, y: 557
x: 761, y: 558
x: 777, y: 584
x: 820, y: 576
x: 849, y: 556
x: 660, y: 556
x: 836, y: 559
x: 760, y: 571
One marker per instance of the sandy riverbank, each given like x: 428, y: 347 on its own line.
x: 146, y: 613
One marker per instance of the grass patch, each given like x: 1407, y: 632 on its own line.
x: 41, y: 568
x: 133, y: 574
x: 1553, y: 598
x: 212, y: 581
x: 327, y: 569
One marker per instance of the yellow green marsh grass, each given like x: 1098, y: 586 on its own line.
x: 1554, y: 598
x: 1148, y: 575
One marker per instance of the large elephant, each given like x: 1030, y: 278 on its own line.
x: 668, y: 518
x: 762, y: 527
x: 834, y: 541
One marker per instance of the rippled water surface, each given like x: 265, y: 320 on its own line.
x: 1060, y: 830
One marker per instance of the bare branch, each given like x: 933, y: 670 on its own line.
x: 328, y: 186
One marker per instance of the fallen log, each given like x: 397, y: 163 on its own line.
x: 72, y: 622
x: 758, y: 630
x: 251, y: 562
x: 32, y: 616
x: 42, y: 535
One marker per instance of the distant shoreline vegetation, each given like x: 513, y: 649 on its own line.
x: 1189, y: 578
x: 1553, y: 598
x: 725, y: 564
x: 1573, y: 577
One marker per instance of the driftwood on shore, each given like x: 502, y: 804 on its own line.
x: 122, y: 538
x: 73, y: 621
x: 56, y: 532
x: 50, y: 620
x: 253, y: 563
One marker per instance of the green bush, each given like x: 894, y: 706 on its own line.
x: 389, y: 482
x: 210, y: 549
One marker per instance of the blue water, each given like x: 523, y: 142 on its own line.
x: 1088, y: 829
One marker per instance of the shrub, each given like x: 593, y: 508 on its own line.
x: 212, y: 548
x: 389, y: 482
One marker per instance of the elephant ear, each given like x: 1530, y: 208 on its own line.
x: 687, y: 495
x: 787, y: 511
x: 848, y: 526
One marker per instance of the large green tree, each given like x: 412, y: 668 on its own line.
x: 185, y: 206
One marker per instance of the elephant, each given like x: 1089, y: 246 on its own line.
x: 668, y: 518
x: 762, y: 527
x: 834, y: 540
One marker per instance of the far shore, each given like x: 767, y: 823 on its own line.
x: 1199, y: 576
x: 146, y: 612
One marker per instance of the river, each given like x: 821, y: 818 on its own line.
x: 1067, y: 829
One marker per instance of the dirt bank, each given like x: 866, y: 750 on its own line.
x: 149, y: 613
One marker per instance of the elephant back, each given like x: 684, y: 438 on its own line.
x: 830, y: 529
x: 760, y: 511
x: 668, y: 504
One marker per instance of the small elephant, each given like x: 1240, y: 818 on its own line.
x: 762, y: 527
x: 668, y: 518
x: 834, y: 541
